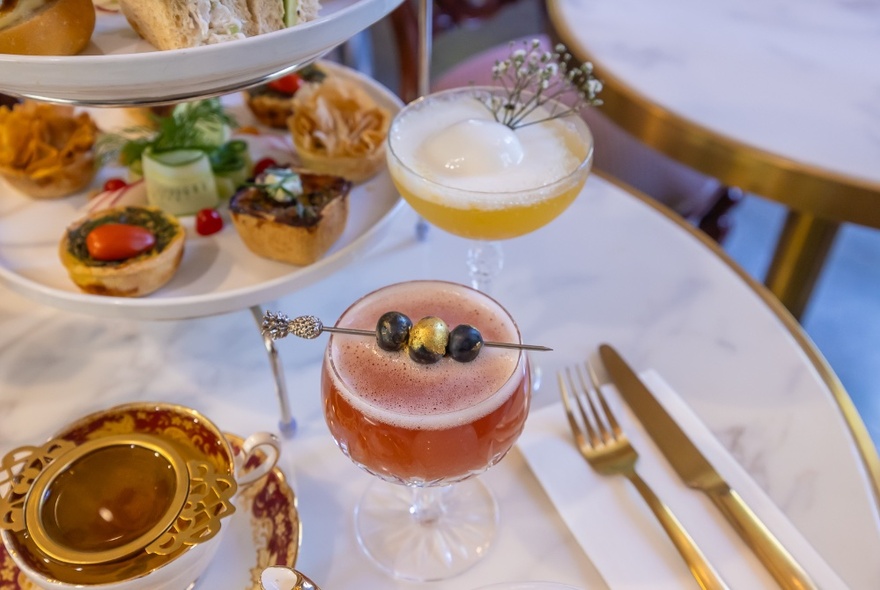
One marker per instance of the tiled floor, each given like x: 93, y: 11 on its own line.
x: 843, y: 318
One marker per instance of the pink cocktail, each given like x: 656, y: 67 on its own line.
x: 425, y: 426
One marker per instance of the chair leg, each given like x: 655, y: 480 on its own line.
x: 717, y: 221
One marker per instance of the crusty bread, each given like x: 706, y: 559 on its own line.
x: 130, y: 278
x: 265, y: 16
x: 55, y: 27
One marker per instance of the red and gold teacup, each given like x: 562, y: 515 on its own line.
x: 126, y: 498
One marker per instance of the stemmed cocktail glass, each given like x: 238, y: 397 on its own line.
x: 427, y: 428
x: 496, y: 162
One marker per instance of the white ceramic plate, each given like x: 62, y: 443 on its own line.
x: 118, y: 68
x: 218, y: 273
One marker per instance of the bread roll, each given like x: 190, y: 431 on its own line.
x: 47, y: 27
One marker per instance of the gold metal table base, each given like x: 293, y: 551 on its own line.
x: 797, y: 262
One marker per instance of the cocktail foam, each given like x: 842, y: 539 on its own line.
x: 469, y: 165
x: 390, y: 387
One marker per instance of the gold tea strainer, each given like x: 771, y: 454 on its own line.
x: 111, y: 498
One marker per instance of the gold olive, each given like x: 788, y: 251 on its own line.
x: 428, y: 339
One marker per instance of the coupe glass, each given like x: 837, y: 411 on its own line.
x: 425, y: 430
x: 471, y: 176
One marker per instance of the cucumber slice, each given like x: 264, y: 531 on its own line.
x: 177, y: 158
x: 290, y: 8
x: 179, y: 182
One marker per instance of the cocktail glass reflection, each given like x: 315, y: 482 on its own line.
x: 477, y: 178
x: 425, y: 430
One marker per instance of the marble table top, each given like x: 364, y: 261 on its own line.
x: 612, y: 268
x: 799, y: 80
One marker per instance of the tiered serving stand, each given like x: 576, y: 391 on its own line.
x: 218, y: 274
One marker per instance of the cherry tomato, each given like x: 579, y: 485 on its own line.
x: 118, y: 241
x: 288, y: 84
x: 262, y: 164
x: 208, y: 221
x: 114, y: 184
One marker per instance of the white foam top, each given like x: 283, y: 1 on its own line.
x: 455, y: 142
x: 390, y: 387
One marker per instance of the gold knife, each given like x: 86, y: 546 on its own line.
x: 696, y: 472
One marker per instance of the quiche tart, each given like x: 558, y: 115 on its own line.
x: 272, y: 103
x: 289, y: 217
x: 142, y: 260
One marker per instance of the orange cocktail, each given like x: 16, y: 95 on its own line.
x: 472, y: 176
x: 425, y: 424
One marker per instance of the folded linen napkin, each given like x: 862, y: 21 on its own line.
x: 617, y: 530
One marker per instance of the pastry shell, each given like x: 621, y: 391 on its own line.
x: 269, y: 236
x: 136, y: 277
x: 339, y: 130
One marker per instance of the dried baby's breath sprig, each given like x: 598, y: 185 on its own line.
x: 533, y: 77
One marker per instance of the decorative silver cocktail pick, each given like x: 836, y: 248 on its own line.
x: 278, y: 325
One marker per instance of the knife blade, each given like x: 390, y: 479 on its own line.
x: 698, y: 473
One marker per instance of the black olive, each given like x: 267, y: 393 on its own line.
x: 465, y: 343
x: 392, y: 331
x: 428, y: 339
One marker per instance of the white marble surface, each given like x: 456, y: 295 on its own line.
x: 797, y: 79
x: 610, y: 269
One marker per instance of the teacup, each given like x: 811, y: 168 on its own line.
x: 127, y: 498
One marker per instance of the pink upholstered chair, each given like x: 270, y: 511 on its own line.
x: 701, y: 199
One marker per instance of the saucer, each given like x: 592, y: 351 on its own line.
x: 265, y: 530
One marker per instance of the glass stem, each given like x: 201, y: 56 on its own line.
x: 427, y: 504
x: 485, y: 261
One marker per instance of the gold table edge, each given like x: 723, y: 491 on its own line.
x: 804, y: 187
x: 862, y: 439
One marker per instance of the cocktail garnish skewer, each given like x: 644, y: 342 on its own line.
x: 278, y: 325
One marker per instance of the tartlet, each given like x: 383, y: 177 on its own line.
x: 298, y: 231
x: 337, y: 128
x: 132, y: 277
x: 47, y: 151
x: 271, y: 103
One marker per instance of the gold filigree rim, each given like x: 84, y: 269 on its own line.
x: 39, y: 494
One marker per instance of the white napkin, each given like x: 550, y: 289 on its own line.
x: 617, y: 530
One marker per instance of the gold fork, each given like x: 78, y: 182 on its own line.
x: 609, y: 452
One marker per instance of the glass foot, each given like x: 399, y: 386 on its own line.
x: 425, y: 534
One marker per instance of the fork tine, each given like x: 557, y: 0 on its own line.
x: 569, y: 413
x: 600, y: 424
x: 594, y: 379
x: 595, y: 440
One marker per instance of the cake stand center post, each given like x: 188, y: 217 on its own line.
x: 426, y: 33
x: 287, y: 424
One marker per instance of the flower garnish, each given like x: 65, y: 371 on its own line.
x: 533, y: 78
